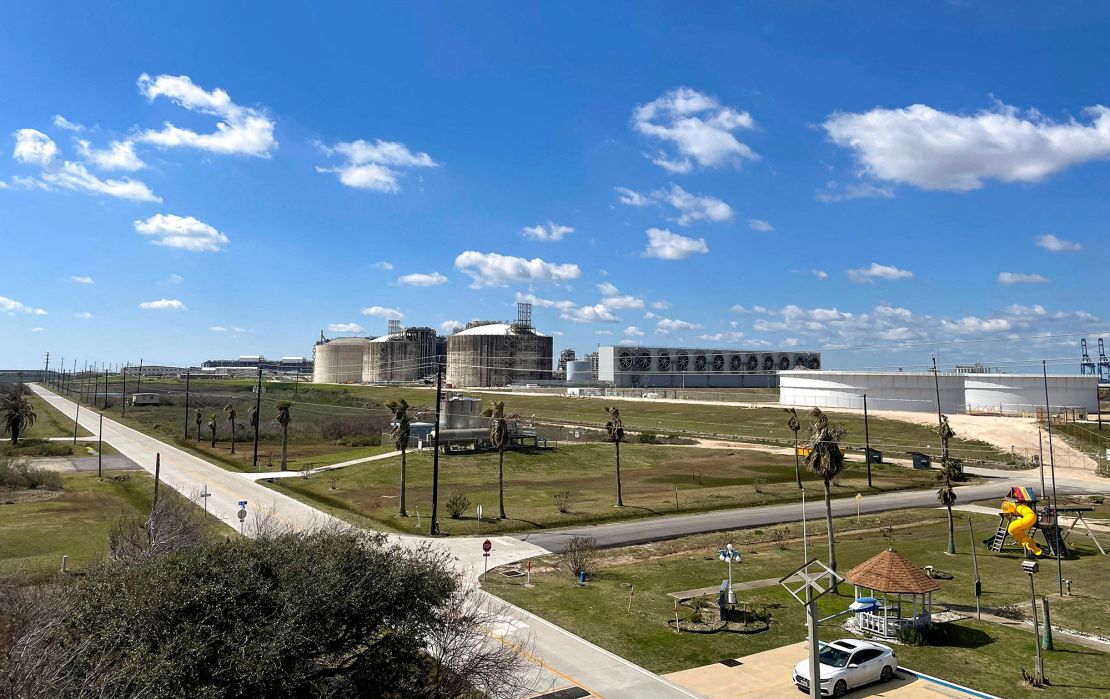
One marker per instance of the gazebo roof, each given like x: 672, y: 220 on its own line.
x: 891, y: 572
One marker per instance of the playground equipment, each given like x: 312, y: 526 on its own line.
x: 1020, y: 519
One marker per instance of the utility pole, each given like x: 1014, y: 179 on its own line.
x: 46, y: 369
x: 60, y: 377
x: 187, y: 375
x: 75, y: 417
x: 105, y: 388
x: 123, y: 376
x: 936, y: 382
x: 84, y: 381
x: 100, y: 448
x: 1055, y: 503
x: 140, y: 382
x: 157, y: 477
x: 867, y: 441
x: 257, y: 414
x: 435, y: 451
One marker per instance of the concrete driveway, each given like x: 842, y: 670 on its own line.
x: 768, y: 675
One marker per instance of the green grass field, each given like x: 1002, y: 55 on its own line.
x: 979, y: 654
x: 74, y: 523
x: 706, y: 479
x: 48, y: 423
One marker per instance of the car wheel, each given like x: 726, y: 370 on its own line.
x: 887, y: 674
x: 840, y: 688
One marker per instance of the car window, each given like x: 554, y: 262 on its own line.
x: 865, y: 655
x: 834, y: 657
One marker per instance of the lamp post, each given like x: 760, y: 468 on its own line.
x: 1031, y: 567
x: 867, y: 441
x: 729, y: 555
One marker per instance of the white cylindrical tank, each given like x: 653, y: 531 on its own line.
x: 579, y: 371
x: 339, y: 360
x: 497, y: 354
x: 1017, y: 394
x: 897, y: 390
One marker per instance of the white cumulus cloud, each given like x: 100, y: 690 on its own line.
x: 630, y: 197
x: 671, y: 246
x: 83, y: 316
x: 383, y: 312
x: 11, y: 307
x: 1011, y: 278
x: 933, y: 149
x: 375, y: 166
x: 633, y: 331
x: 834, y: 191
x: 450, y: 326
x: 37, y: 149
x: 666, y: 326
x: 433, y: 279
x: 697, y: 127
x: 62, y: 123
x: 82, y: 280
x: 868, y: 275
x: 759, y: 225
x: 1053, y: 244
x: 552, y: 232
x: 492, y: 269
x: 163, y: 305
x: 240, y: 131
x: 184, y: 232
x: 344, y: 328
x: 119, y: 155
x: 688, y: 207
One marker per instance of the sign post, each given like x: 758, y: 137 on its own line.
x: 242, y: 517
x: 204, y: 495
x: 478, y: 523
x: 859, y: 499
x: 487, y: 545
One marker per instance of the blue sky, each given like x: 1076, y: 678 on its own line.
x: 205, y: 180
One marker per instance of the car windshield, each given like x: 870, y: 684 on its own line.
x: 834, y: 657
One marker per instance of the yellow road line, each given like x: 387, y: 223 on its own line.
x: 545, y: 666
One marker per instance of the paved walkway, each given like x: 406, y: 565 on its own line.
x: 268, y: 475
x: 702, y: 591
x: 560, y: 654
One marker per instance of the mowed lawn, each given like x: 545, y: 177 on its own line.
x: 48, y: 423
x: 35, y: 533
x: 982, y: 655
x: 705, y: 479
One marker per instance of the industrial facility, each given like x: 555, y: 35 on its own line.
x: 988, y: 393
x: 680, y: 367
x: 491, y: 353
x: 406, y: 354
x: 339, y: 360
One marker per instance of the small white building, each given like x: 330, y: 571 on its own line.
x: 145, y: 399
x: 999, y: 394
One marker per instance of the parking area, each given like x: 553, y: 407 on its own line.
x: 768, y: 674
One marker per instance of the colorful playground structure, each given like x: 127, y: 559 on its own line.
x: 1021, y: 520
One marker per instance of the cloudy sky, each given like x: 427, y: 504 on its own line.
x: 213, y: 180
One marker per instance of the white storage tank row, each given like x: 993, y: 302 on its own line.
x: 1005, y: 394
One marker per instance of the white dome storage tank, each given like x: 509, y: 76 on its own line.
x: 579, y: 371
x: 497, y: 354
x: 909, y: 391
x: 1018, y: 394
x: 339, y: 360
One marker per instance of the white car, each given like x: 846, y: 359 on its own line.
x: 847, y: 664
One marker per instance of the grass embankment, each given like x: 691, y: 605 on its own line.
x: 978, y: 654
x: 49, y: 423
x: 706, y: 479
x: 39, y: 527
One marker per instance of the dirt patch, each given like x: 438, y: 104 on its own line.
x: 18, y: 497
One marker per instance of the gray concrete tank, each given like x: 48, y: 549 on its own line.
x: 497, y: 354
x: 579, y: 371
x: 409, y: 355
x: 339, y: 360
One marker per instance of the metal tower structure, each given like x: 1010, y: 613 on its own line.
x: 523, y: 316
x: 1103, y: 363
x: 394, y: 327
x: 1086, y: 366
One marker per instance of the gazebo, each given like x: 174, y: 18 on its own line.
x: 896, y: 578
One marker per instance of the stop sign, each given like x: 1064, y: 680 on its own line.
x: 487, y: 545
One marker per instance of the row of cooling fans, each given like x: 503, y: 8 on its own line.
x: 678, y: 360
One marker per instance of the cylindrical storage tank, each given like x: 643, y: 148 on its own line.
x: 405, y: 356
x: 497, y: 354
x: 579, y: 371
x: 908, y: 391
x: 339, y: 360
x: 1023, y: 394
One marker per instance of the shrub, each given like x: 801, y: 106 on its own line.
x: 564, y: 501
x: 1011, y: 611
x: 580, y: 555
x: 911, y: 636
x: 647, y: 438
x: 758, y: 483
x: 19, y: 475
x: 370, y: 440
x: 457, y: 504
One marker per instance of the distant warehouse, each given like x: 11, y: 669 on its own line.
x: 684, y: 367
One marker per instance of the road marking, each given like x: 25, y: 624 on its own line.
x: 543, y: 665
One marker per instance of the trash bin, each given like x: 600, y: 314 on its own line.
x: 875, y: 454
x: 921, y: 461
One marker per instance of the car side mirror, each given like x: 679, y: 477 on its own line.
x: 853, y: 666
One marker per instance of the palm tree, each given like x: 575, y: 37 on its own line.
x: 229, y: 415
x: 951, y: 468
x: 794, y: 426
x: 212, y: 427
x: 198, y: 419
x: 615, y: 428
x: 499, y: 435
x: 947, y: 497
x: 16, y: 413
x: 826, y: 461
x: 283, y: 419
x: 399, y: 435
x: 252, y: 418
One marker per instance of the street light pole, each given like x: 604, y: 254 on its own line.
x: 187, y: 375
x: 729, y: 555
x: 1039, y: 666
x: 1052, y: 466
x: 257, y: 415
x: 867, y: 441
x: 435, y: 452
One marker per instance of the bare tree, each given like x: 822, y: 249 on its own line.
x: 283, y: 418
x: 399, y: 434
x: 229, y: 415
x: 198, y: 419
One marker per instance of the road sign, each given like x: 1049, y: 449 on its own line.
x: 859, y: 499
x: 486, y: 546
x: 242, y: 515
x: 242, y: 504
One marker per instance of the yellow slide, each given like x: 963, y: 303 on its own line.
x: 1019, y: 527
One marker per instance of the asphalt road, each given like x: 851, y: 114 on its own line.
x: 663, y: 528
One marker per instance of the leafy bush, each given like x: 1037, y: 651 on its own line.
x: 19, y: 475
x: 36, y: 447
x: 647, y: 438
x: 911, y: 636
x: 580, y: 555
x: 1011, y: 611
x: 564, y: 501
x: 457, y: 504
x: 369, y: 440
